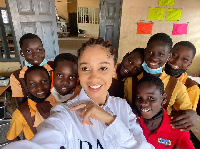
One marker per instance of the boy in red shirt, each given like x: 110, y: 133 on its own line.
x: 154, y: 121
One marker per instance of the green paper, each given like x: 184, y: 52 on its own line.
x: 156, y: 13
x: 166, y: 2
x: 173, y: 14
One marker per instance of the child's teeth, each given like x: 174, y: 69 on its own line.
x: 40, y: 93
x: 95, y: 87
x: 145, y: 110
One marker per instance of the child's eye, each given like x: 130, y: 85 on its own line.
x: 72, y: 77
x: 130, y: 61
x: 151, y: 98
x: 103, y: 68
x: 161, y: 54
x: 185, y: 59
x: 85, y: 69
x: 44, y: 81
x: 138, y: 98
x: 59, y: 75
x: 40, y: 50
x: 28, y: 51
x: 32, y: 84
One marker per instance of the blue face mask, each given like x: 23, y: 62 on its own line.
x: 41, y: 64
x: 151, y: 71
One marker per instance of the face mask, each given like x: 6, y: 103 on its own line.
x: 151, y: 71
x: 36, y: 99
x: 170, y: 71
x: 41, y: 64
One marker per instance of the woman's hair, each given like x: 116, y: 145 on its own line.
x: 188, y: 44
x: 65, y: 57
x: 101, y: 42
x: 35, y: 68
x: 153, y: 80
x: 161, y: 37
x: 28, y: 36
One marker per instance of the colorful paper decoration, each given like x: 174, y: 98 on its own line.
x: 173, y: 14
x: 179, y: 29
x: 144, y: 28
x: 166, y: 2
x: 156, y: 13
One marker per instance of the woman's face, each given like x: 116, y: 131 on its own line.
x: 96, y: 70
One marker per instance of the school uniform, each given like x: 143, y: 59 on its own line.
x: 177, y: 96
x: 27, y: 117
x: 17, y: 81
x: 119, y: 88
x: 192, y: 89
x: 64, y: 128
x: 165, y: 137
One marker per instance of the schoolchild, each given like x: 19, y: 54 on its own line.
x: 157, y: 52
x: 126, y: 74
x: 183, y: 53
x: 92, y: 120
x: 154, y: 120
x: 27, y: 116
x: 34, y: 54
x: 64, y: 78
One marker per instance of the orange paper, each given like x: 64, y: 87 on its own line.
x: 144, y: 28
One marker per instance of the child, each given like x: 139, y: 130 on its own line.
x: 182, y: 55
x: 34, y: 54
x: 27, y: 117
x: 157, y: 53
x: 65, y: 78
x: 126, y: 74
x: 154, y: 120
x: 94, y: 119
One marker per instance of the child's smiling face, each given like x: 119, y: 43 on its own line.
x: 96, y: 70
x: 156, y: 54
x: 65, y: 77
x: 149, y: 99
x: 38, y: 83
x: 132, y: 65
x: 181, y: 58
x: 33, y: 51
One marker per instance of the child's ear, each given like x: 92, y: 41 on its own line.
x: 164, y: 99
x: 170, y: 55
x: 21, y: 53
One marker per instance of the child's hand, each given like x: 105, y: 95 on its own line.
x: 184, y: 119
x: 94, y: 111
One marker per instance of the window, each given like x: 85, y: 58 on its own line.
x: 7, y: 47
x: 88, y: 15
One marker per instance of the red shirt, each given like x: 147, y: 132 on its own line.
x: 165, y: 137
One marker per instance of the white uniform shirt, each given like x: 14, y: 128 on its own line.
x: 64, y: 128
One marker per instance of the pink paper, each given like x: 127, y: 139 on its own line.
x: 179, y: 29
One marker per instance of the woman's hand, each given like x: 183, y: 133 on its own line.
x: 92, y: 110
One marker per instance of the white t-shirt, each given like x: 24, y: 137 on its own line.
x: 64, y: 128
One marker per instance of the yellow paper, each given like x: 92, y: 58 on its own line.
x: 156, y: 13
x: 173, y: 14
x: 166, y: 2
